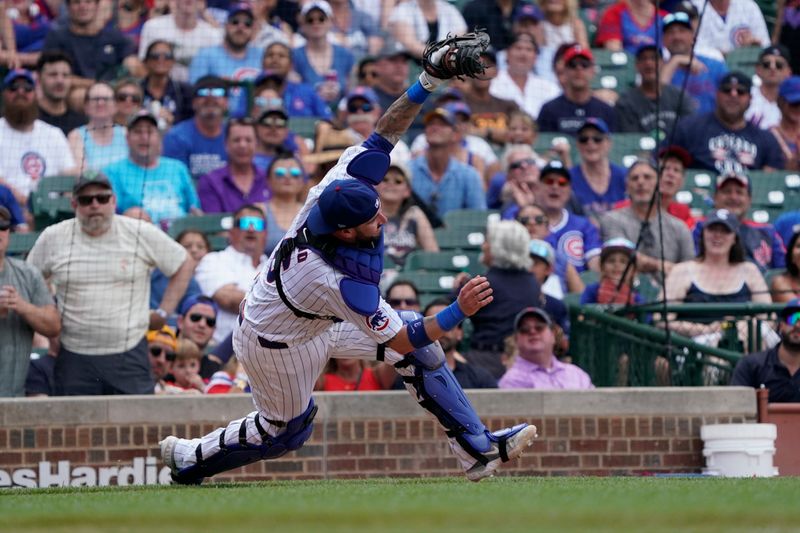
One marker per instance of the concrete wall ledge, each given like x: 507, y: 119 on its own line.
x: 677, y: 401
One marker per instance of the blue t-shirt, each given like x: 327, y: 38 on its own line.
x: 564, y: 116
x: 460, y: 187
x: 217, y: 61
x: 786, y: 225
x: 166, y: 192
x: 30, y: 37
x: 702, y: 87
x: 596, y: 203
x: 201, y: 154
x: 342, y: 64
x: 715, y: 147
x: 8, y: 201
x: 576, y: 238
x: 301, y: 100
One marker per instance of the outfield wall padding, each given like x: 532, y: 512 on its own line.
x: 113, y: 440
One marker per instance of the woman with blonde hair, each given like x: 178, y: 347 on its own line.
x: 505, y: 253
x: 562, y: 24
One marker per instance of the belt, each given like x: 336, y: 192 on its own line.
x: 264, y: 343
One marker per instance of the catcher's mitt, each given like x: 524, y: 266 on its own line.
x: 456, y: 56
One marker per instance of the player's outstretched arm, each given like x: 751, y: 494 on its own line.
x: 442, y: 60
x: 473, y: 296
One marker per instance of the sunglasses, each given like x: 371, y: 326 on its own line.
x: 254, y: 223
x: 539, y: 220
x: 24, y: 87
x: 197, y: 317
x: 579, y: 64
x: 561, y: 181
x: 99, y: 99
x: 538, y: 328
x: 215, y: 92
x: 156, y: 351
x: 366, y: 107
x: 5, y: 225
x: 241, y: 21
x: 735, y: 89
x: 396, y: 302
x: 777, y: 65
x: 262, y: 101
x: 275, y: 122
x: 86, y: 200
x: 597, y: 139
x: 675, y: 17
x: 167, y: 56
x: 123, y: 97
x: 522, y: 163
x: 283, y: 172
x: 792, y: 319
x: 315, y: 20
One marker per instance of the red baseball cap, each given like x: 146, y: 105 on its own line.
x: 577, y: 51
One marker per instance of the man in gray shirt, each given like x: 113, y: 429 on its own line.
x: 636, y: 108
x: 629, y: 222
x: 26, y: 306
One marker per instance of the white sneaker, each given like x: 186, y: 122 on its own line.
x: 168, y: 453
x: 515, y: 445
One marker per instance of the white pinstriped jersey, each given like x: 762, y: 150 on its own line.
x: 312, y: 285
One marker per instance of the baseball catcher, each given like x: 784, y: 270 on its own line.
x: 318, y: 298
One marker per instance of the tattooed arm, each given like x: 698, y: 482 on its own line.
x: 397, y: 119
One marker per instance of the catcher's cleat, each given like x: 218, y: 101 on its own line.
x: 168, y: 457
x: 508, y: 444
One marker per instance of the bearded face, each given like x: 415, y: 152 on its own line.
x: 19, y: 105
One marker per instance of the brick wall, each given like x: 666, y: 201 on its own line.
x: 604, y: 432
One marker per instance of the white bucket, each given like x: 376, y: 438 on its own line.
x: 739, y: 450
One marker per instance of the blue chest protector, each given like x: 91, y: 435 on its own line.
x: 362, y: 267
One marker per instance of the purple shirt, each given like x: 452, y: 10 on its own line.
x: 219, y: 194
x: 526, y: 375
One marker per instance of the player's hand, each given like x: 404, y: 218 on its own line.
x: 475, y: 295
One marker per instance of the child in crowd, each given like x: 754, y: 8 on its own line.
x: 348, y: 375
x: 185, y: 369
x: 232, y: 379
x: 614, y: 259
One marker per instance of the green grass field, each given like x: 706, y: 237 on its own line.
x: 431, y: 505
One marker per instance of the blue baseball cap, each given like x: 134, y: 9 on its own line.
x: 343, y: 204
x: 16, y: 74
x: 792, y: 306
x: 193, y: 300
x: 363, y: 92
x: 458, y: 107
x: 597, y: 123
x: 442, y: 113
x: 528, y: 11
x: 240, y: 7
x: 790, y: 89
x: 722, y: 217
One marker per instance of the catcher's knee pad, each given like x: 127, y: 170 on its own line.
x: 242, y: 453
x: 439, y: 392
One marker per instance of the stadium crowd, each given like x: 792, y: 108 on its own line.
x: 163, y: 110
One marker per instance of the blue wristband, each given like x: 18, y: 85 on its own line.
x: 417, y: 334
x: 417, y: 93
x: 450, y: 316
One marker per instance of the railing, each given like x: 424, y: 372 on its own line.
x: 617, y: 350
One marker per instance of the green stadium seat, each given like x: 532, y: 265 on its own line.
x: 207, y: 224
x: 434, y: 283
x: 446, y: 261
x: 51, y: 201
x: 615, y: 70
x: 743, y: 59
x: 627, y: 147
x: 459, y: 239
x: 303, y: 126
x: 21, y: 243
x: 470, y: 219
